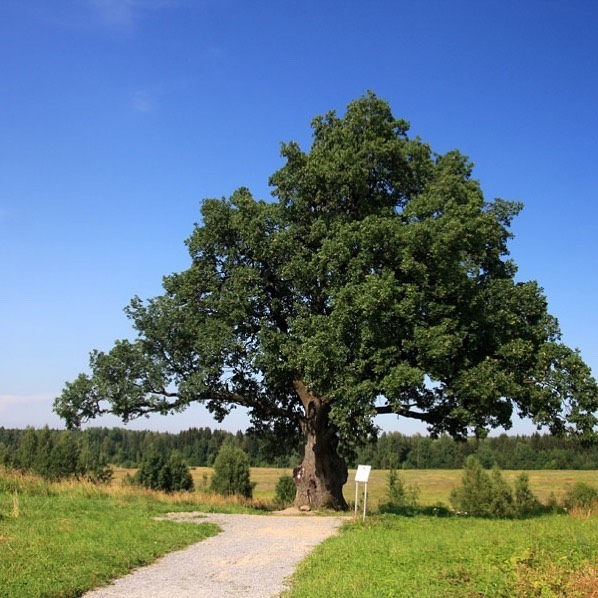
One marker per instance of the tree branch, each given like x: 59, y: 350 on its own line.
x: 403, y: 412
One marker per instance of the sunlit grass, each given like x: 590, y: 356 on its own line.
x: 435, y: 484
x: 62, y: 538
x: 552, y: 555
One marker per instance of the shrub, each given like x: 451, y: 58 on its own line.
x: 484, y: 494
x: 285, y: 490
x: 400, y: 498
x: 580, y: 495
x: 158, y: 472
x: 475, y: 494
x: 524, y: 500
x: 501, y: 503
x: 232, y: 473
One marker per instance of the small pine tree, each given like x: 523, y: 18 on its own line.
x: 580, y: 495
x: 231, y: 472
x: 63, y: 459
x: 180, y: 476
x: 524, y: 500
x: 399, y: 496
x: 285, y: 490
x: 501, y: 504
x: 475, y: 494
x: 159, y: 472
x: 149, y: 471
x: 489, y: 495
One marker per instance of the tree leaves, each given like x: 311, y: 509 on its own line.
x: 379, y: 280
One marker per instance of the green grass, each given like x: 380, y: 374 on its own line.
x: 59, y: 540
x: 554, y: 555
x: 63, y: 545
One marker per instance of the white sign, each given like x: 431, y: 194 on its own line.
x: 363, y: 473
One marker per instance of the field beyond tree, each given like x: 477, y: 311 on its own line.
x: 60, y: 453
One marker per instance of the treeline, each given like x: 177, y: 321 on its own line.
x: 60, y: 453
x: 87, y: 453
x: 54, y: 454
x: 538, y: 451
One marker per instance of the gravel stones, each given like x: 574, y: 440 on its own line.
x: 252, y: 556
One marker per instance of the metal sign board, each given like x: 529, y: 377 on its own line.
x: 363, y: 473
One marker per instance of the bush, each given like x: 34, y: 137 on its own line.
x: 501, y: 503
x: 400, y: 498
x: 475, y: 495
x: 232, y: 473
x: 581, y: 496
x: 489, y: 495
x: 160, y: 473
x: 524, y: 500
x: 286, y: 490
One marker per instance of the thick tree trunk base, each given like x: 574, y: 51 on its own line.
x: 323, y: 473
x: 315, y: 492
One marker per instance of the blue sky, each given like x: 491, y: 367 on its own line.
x: 119, y: 116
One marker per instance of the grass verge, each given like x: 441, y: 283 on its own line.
x: 60, y: 540
x: 552, y: 555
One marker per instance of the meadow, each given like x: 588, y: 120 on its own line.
x: 435, y: 485
x: 431, y: 557
x: 60, y: 539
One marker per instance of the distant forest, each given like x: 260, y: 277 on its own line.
x: 87, y: 453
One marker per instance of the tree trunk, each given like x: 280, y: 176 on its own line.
x: 323, y: 473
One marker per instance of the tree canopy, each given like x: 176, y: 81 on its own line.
x: 378, y: 281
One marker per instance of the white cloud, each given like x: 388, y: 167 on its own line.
x: 22, y: 410
x: 143, y: 102
x: 126, y: 12
x: 11, y: 400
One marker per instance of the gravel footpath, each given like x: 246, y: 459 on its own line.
x: 252, y: 556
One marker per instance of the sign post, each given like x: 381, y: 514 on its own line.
x: 361, y: 476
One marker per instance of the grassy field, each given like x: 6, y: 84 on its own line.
x: 427, y: 557
x: 435, y: 484
x: 58, y: 540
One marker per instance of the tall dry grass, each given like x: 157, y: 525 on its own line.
x: 16, y: 505
x: 121, y: 489
x: 435, y: 486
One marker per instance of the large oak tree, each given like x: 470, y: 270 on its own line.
x: 378, y: 282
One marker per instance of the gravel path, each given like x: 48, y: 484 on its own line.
x: 252, y: 556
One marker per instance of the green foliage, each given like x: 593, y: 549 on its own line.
x: 100, y: 447
x: 501, y: 504
x: 524, y: 500
x: 56, y: 454
x: 581, y: 495
x: 232, y: 474
x: 381, y: 266
x: 285, y: 490
x: 168, y: 473
x: 474, y: 497
x: 484, y: 494
x: 401, y: 498
x: 378, y: 282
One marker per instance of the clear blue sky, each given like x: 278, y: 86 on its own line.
x: 118, y: 116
